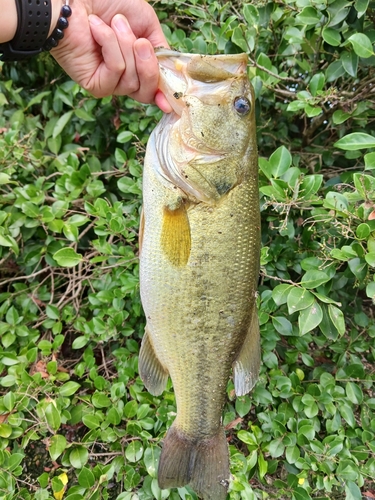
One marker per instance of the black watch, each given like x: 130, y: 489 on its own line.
x: 34, y: 21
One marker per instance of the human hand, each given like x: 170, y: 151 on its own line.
x: 108, y: 48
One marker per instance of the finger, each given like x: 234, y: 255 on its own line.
x: 112, y: 64
x: 129, y: 82
x: 147, y: 70
x: 162, y: 103
x: 148, y: 26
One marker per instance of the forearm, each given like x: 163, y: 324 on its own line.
x: 9, y: 19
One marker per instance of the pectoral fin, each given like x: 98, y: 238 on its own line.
x: 152, y: 372
x: 247, y: 365
x: 175, y: 235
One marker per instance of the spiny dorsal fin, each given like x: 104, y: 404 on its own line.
x: 175, y: 235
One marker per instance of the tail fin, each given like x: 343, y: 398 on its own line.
x: 204, y: 464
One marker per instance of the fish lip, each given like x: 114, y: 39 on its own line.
x: 180, y: 71
x: 163, y: 52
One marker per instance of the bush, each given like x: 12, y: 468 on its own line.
x: 75, y: 419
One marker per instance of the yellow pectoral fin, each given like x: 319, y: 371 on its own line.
x: 175, y: 235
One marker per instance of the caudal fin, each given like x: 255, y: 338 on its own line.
x: 202, y: 463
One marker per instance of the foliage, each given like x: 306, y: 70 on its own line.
x: 75, y: 419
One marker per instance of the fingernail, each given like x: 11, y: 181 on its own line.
x: 95, y: 20
x: 143, y: 50
x: 121, y: 23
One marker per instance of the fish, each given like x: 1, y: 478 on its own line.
x: 199, y: 260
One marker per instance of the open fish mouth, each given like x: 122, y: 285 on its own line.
x: 183, y: 74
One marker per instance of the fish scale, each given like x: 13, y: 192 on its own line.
x: 199, y: 261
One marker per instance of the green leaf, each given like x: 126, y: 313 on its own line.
x: 84, y: 115
x: 347, y: 414
x: 100, y: 400
x: 151, y: 460
x: 79, y: 456
x: 251, y: 14
x: 352, y: 491
x: 337, y: 318
x: 38, y: 98
x: 354, y: 393
x: 67, y: 257
x: 300, y: 494
x: 14, y: 461
x: 262, y: 465
x: 134, y: 451
x: 239, y: 39
x: 86, y: 477
x: 57, y: 446
x: 336, y: 201
x: 356, y: 141
x: 310, y: 318
x: 243, y: 405
x: 292, y: 454
x: 276, y: 448
x: 4, y: 178
x: 331, y: 36
x: 363, y: 231
x: 9, y: 400
x: 340, y: 116
x: 316, y: 83
x: 5, y: 430
x: 61, y: 123
x: 52, y: 416
x: 334, y: 71
x: 91, y: 420
x: 114, y: 416
x: 52, y: 312
x: 350, y: 62
x: 80, y: 342
x: 369, y: 161
x: 12, y: 316
x: 69, y: 388
x: 282, y: 325
x: 370, y: 291
x: 299, y: 298
x: 130, y: 409
x: 308, y: 16
x: 313, y: 279
x: 361, y: 7
x: 362, y: 45
x: 125, y: 136
x: 280, y: 293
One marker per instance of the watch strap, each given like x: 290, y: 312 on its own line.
x: 34, y: 21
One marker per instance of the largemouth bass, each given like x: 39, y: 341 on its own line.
x: 199, y: 260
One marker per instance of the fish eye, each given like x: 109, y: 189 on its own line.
x: 242, y: 105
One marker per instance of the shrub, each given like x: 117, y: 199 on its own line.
x: 75, y: 419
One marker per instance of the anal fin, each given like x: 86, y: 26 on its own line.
x: 152, y: 372
x: 247, y: 365
x: 175, y: 235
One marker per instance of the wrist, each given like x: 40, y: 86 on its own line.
x: 9, y: 19
x: 56, y: 8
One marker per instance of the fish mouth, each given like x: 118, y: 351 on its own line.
x: 182, y: 74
